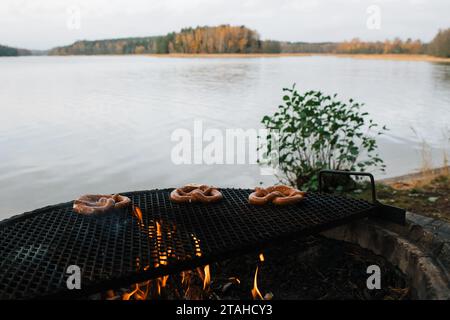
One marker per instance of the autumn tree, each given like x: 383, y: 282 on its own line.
x: 440, y: 45
x: 240, y: 39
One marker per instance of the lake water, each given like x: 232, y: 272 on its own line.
x: 103, y: 124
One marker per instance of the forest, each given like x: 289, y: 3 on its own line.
x: 221, y: 39
x: 240, y: 39
x: 13, y: 52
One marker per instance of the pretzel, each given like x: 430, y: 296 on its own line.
x: 279, y: 195
x: 195, y: 193
x: 99, y: 203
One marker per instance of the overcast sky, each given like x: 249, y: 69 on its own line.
x: 42, y: 24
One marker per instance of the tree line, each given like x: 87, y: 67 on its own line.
x: 220, y: 39
x: 240, y: 39
x: 13, y: 52
x: 395, y: 46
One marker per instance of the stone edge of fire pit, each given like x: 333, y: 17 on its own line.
x: 420, y: 249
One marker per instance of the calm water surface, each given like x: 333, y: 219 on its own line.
x: 75, y: 125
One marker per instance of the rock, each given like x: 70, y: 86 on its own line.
x: 268, y: 296
x: 433, y: 199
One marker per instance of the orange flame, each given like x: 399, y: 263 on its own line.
x: 138, y: 214
x: 127, y: 296
x: 256, y: 294
x: 142, y: 295
x: 152, y: 288
x: 138, y: 293
x: 207, y: 279
x: 198, y: 251
x: 164, y: 281
x: 158, y: 287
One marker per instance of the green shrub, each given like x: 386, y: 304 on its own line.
x: 316, y: 131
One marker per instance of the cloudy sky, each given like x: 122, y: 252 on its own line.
x: 42, y: 24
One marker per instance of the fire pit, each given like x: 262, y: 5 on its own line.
x: 154, y: 238
x: 312, y: 268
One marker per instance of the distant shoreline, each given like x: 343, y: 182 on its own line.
x: 400, y: 57
x: 394, y: 57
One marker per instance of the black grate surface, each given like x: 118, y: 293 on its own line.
x: 117, y: 249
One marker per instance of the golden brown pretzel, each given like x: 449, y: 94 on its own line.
x: 196, y: 193
x: 279, y: 195
x: 121, y: 201
x: 99, y: 203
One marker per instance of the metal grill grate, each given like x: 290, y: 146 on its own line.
x: 112, y: 250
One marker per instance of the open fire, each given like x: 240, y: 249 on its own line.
x: 191, y: 284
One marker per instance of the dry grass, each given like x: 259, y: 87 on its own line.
x: 426, y: 173
x: 432, y: 199
x: 426, y: 192
x: 420, y: 180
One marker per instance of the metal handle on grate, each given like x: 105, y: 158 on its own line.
x: 350, y: 173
